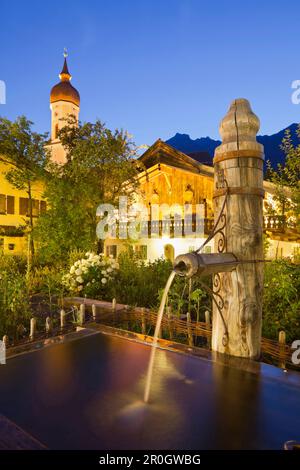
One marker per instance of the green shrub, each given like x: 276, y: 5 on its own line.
x: 14, y: 298
x: 281, y: 302
x: 138, y: 282
x: 47, y: 281
x: 142, y: 284
x: 91, y: 276
x: 13, y: 264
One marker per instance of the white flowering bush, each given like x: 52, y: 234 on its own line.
x: 91, y: 276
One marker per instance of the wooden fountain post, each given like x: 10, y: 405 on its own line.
x: 238, y: 170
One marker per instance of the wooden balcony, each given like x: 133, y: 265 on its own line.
x: 277, y: 223
x: 185, y: 228
x: 172, y: 228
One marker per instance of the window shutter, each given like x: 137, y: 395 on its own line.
x: 2, y: 204
x: 10, y: 204
x: 35, y: 207
x: 24, y: 206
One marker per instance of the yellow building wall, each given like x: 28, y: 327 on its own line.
x: 16, y: 219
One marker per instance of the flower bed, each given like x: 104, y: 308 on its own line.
x: 90, y: 274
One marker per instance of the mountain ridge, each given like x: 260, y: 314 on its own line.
x: 206, y: 145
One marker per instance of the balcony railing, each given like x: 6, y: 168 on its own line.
x: 185, y: 228
x: 277, y: 223
x: 172, y: 228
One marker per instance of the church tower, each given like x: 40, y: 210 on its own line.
x: 64, y: 102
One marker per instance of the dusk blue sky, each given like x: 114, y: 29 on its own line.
x: 153, y: 67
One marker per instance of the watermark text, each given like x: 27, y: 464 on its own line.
x: 2, y: 92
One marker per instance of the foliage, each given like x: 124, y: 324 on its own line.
x: 138, y: 282
x: 266, y: 244
x: 287, y: 180
x: 47, y: 281
x: 14, y: 299
x: 91, y: 276
x: 13, y: 264
x: 98, y: 163
x: 75, y: 255
x: 12, y: 231
x: 281, y: 302
x: 19, y: 292
x: 188, y: 295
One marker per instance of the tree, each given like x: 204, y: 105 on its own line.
x: 23, y: 151
x: 287, y: 179
x: 98, y: 162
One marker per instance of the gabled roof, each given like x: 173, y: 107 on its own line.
x: 160, y: 152
x: 202, y: 157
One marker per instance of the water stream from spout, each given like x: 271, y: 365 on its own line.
x: 155, y: 339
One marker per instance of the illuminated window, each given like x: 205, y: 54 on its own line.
x: 169, y: 252
x: 141, y: 251
x: 2, y: 204
x: 111, y: 250
x: 188, y: 194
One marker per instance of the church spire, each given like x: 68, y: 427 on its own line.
x: 65, y: 75
x: 64, y: 103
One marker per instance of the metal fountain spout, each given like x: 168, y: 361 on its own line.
x: 200, y: 264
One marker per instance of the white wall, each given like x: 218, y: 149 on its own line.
x: 282, y: 249
x: 155, y: 247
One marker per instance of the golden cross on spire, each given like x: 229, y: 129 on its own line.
x: 65, y: 53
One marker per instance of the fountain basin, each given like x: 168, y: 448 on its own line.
x: 87, y: 394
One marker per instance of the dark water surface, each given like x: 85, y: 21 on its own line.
x: 86, y: 394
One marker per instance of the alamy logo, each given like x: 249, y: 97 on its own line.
x: 136, y: 221
x: 2, y: 352
x: 2, y: 92
x: 296, y: 94
x: 296, y: 354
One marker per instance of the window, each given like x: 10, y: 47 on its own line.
x: 10, y: 204
x: 111, y: 250
x: 24, y: 205
x: 35, y: 207
x: 11, y: 246
x: 43, y: 206
x: 169, y: 252
x: 296, y: 251
x: 141, y: 251
x: 2, y: 204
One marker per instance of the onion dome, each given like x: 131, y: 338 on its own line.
x: 64, y: 91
